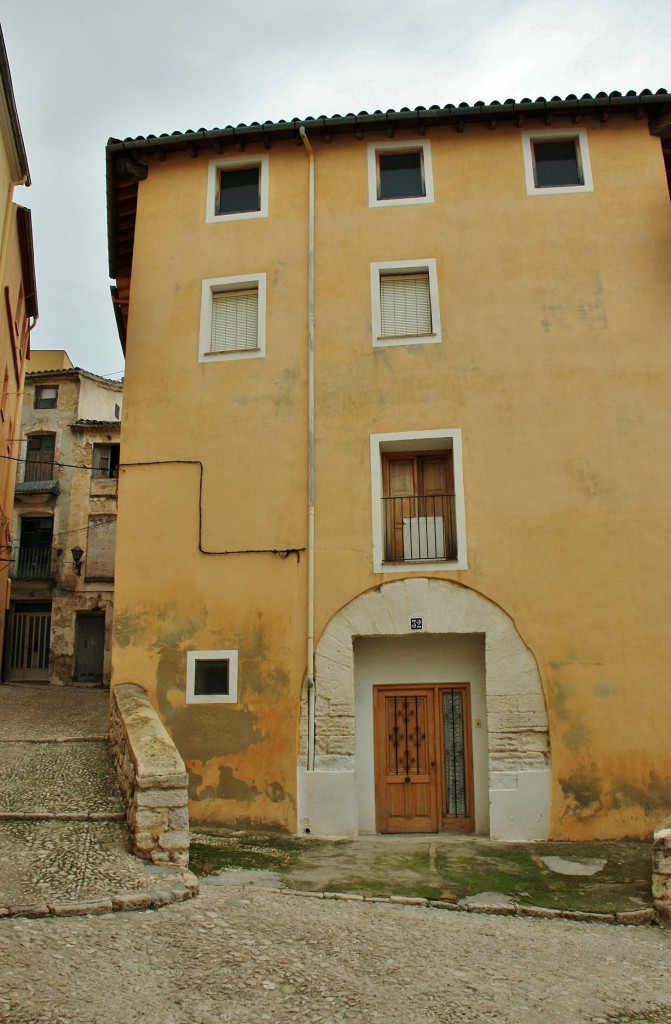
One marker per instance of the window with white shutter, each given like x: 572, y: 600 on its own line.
x: 405, y: 303
x: 232, y: 318
x: 235, y: 321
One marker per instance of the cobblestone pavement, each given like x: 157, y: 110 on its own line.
x: 63, y: 838
x: 52, y: 712
x: 250, y: 954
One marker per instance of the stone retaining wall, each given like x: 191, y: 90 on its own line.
x: 152, y: 778
x: 661, y: 873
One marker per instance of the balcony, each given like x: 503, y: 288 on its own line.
x: 420, y: 528
x: 33, y: 562
x: 38, y: 478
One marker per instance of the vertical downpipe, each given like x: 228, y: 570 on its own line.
x: 311, y: 456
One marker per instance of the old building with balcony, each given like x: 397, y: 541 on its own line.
x: 62, y: 564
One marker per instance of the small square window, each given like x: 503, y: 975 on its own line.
x: 404, y: 303
x: 232, y: 321
x: 556, y: 162
x: 211, y: 677
x: 46, y: 397
x: 237, y: 188
x: 105, y: 461
x: 399, y: 173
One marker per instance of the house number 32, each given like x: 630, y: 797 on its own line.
x: 416, y: 624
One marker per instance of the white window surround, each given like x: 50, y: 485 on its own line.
x: 423, y: 146
x: 230, y: 284
x: 579, y: 136
x: 229, y: 164
x: 377, y: 270
x: 417, y: 441
x: 192, y: 657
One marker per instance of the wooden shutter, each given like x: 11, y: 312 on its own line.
x: 405, y: 305
x: 235, y: 321
x: 100, y: 548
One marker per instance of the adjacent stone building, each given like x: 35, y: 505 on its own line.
x: 62, y: 567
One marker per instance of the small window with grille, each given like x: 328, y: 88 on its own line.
x: 211, y: 677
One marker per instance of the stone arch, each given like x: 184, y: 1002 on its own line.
x: 517, y: 724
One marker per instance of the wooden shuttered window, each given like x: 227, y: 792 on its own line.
x: 235, y: 321
x: 419, y: 512
x: 405, y: 305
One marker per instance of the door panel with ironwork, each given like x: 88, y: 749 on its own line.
x: 423, y: 772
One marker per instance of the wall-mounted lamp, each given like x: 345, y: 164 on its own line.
x: 77, y: 555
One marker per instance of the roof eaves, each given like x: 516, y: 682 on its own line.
x: 9, y: 120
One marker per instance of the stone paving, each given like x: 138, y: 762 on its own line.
x: 249, y: 954
x: 63, y: 837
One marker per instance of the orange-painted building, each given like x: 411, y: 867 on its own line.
x: 394, y: 516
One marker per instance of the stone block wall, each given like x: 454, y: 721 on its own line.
x: 661, y: 873
x: 152, y: 778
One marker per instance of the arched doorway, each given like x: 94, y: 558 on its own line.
x: 421, y: 637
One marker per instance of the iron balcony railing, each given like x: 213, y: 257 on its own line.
x: 34, y: 562
x: 420, y: 528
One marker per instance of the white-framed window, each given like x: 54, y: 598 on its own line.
x: 399, y: 173
x: 211, y: 677
x: 404, y: 302
x: 233, y: 318
x: 419, y: 519
x: 556, y: 161
x: 237, y: 188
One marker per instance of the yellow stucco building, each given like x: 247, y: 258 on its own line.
x: 394, y: 515
x: 19, y: 315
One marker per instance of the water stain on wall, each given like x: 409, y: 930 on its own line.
x: 583, y: 793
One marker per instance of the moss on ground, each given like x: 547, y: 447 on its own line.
x: 447, y: 869
x: 215, y: 850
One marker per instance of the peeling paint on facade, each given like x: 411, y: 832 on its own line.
x: 536, y: 379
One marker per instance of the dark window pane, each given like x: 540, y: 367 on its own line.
x: 556, y: 163
x: 400, y: 175
x: 211, y: 678
x: 46, y: 398
x: 239, y: 190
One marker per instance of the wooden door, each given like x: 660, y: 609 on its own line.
x: 90, y: 648
x: 418, y: 503
x: 423, y: 759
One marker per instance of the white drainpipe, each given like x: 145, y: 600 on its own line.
x: 311, y: 456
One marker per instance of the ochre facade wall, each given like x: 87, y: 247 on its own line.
x: 553, y: 363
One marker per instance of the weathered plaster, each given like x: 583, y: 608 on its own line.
x: 517, y: 723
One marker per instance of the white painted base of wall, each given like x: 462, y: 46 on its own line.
x: 521, y: 814
x: 327, y: 804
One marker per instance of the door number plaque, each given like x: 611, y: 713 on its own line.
x: 416, y: 624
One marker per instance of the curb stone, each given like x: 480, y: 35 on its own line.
x: 645, y: 916
x: 182, y: 889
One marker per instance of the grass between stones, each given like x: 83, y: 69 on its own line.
x: 445, y: 869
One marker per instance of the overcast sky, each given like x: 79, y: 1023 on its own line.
x: 85, y: 70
